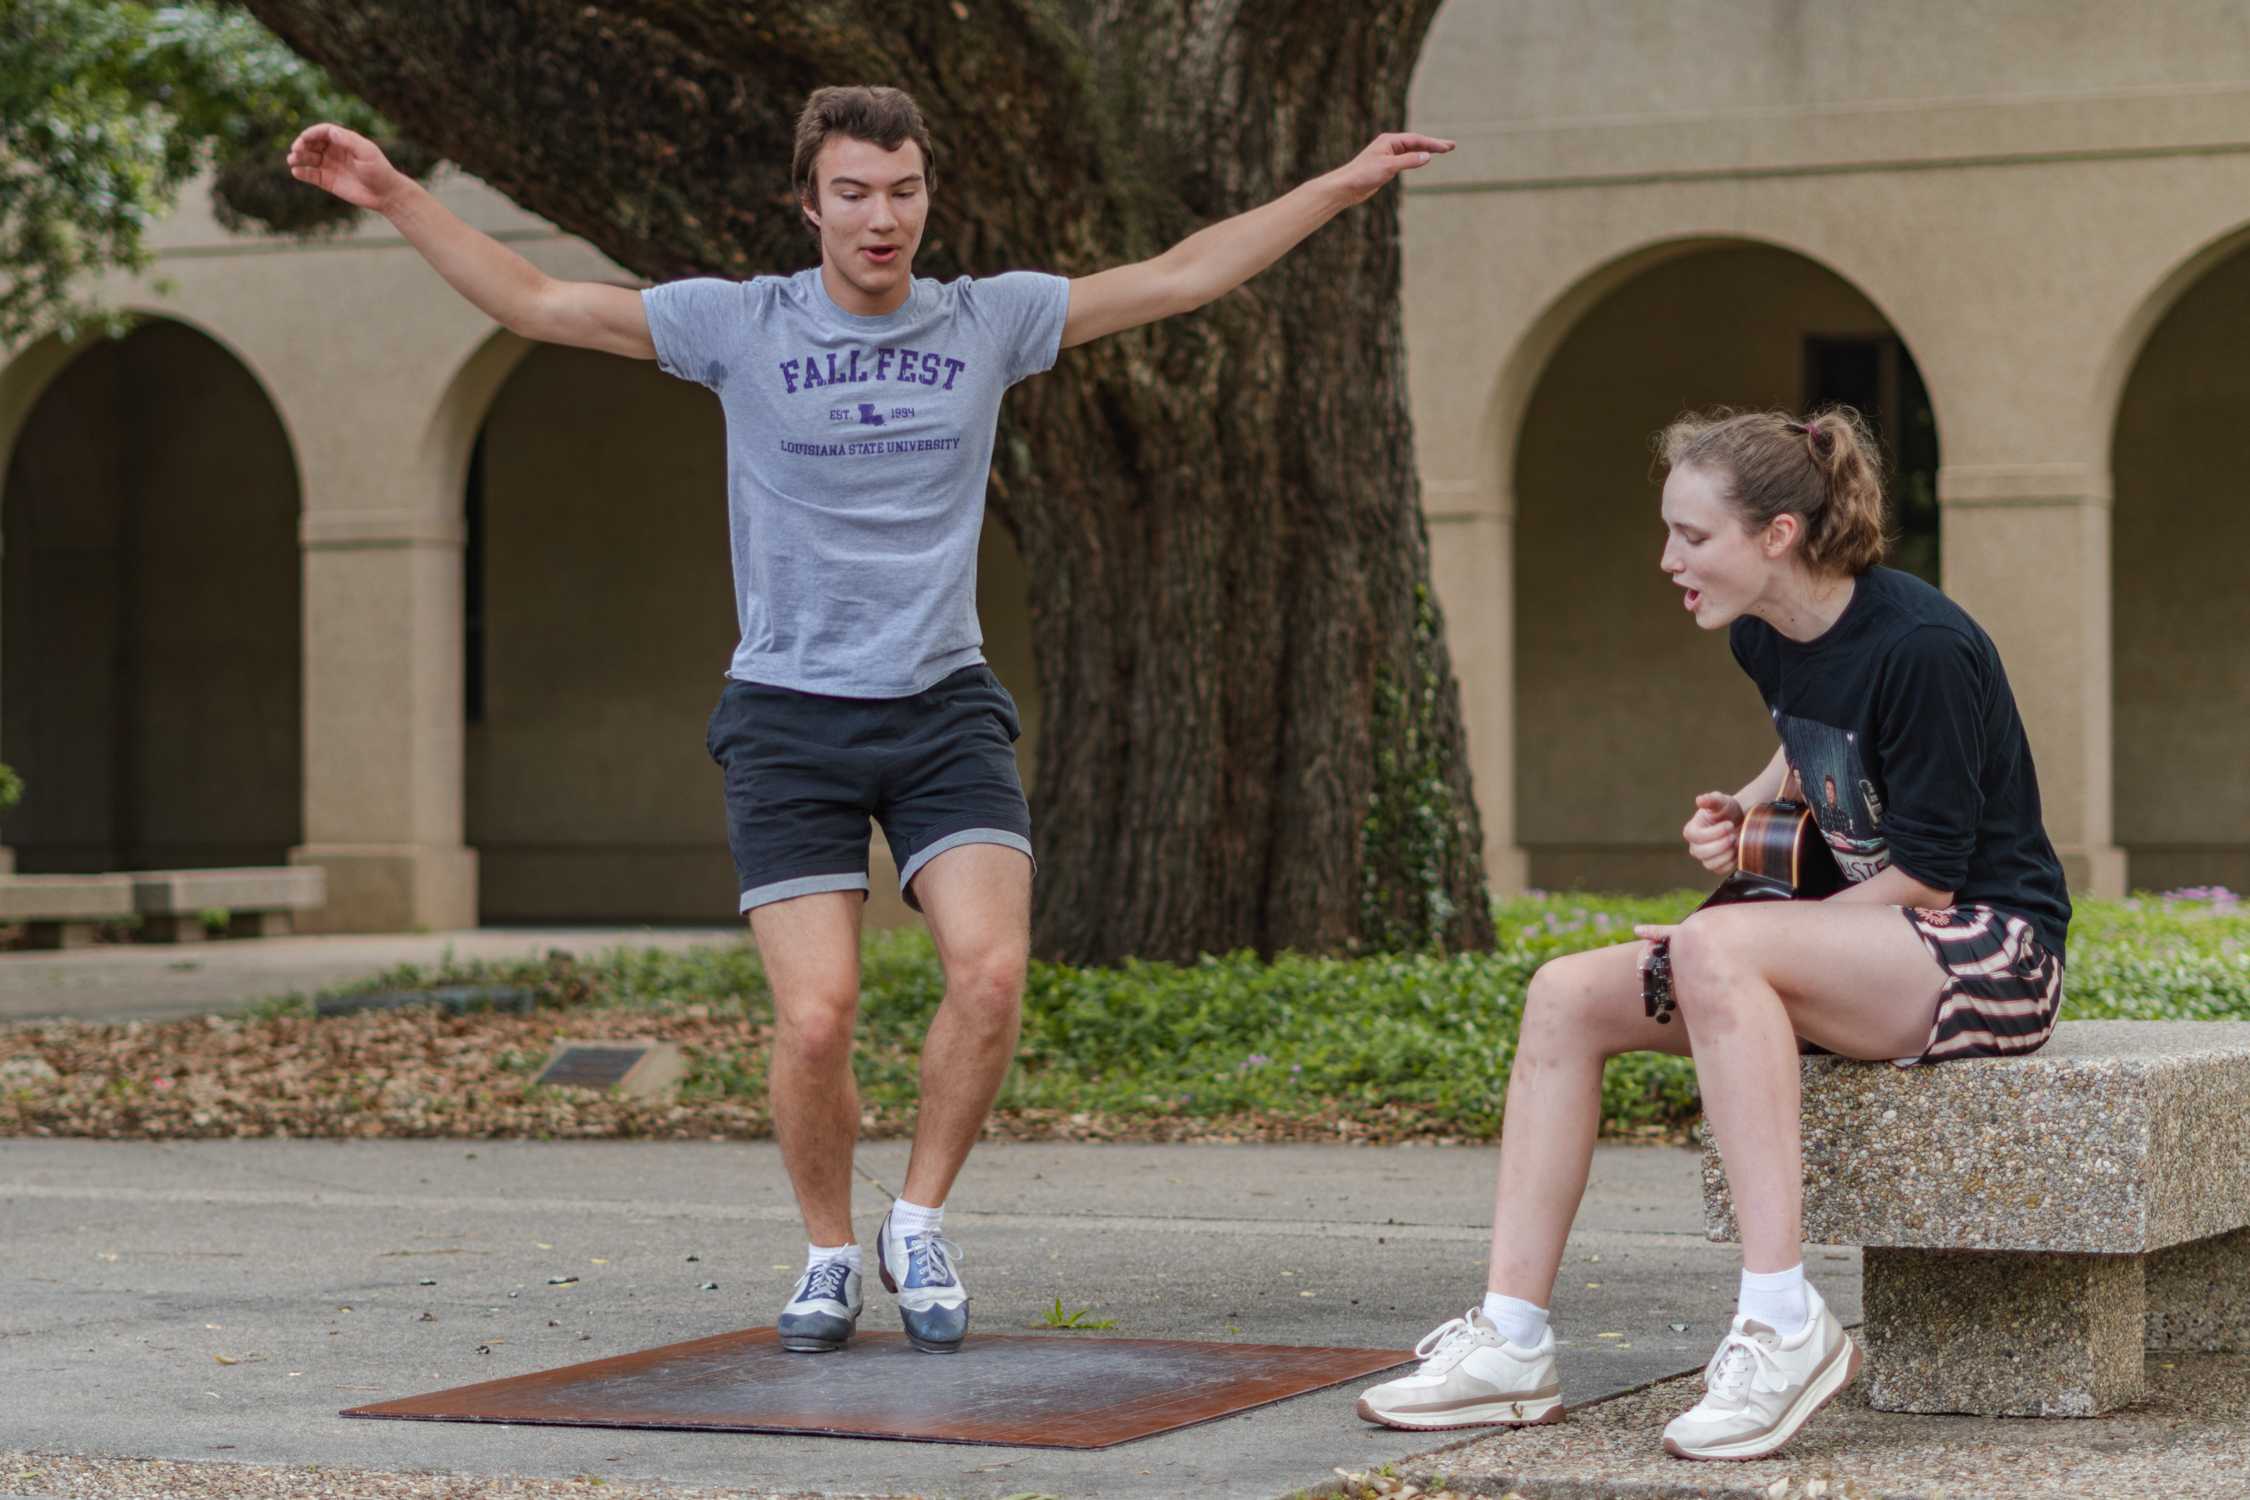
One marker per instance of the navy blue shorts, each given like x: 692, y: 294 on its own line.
x: 805, y: 772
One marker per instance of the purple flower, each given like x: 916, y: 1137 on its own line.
x: 2217, y: 895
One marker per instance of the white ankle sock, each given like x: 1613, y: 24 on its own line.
x: 912, y: 1218
x: 1518, y: 1321
x: 1776, y: 1299
x: 848, y: 1253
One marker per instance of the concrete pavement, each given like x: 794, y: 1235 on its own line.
x: 163, y: 981
x: 131, y: 1268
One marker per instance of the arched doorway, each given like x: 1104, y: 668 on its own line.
x: 151, y: 613
x: 599, y: 622
x: 2180, y: 466
x: 597, y: 629
x: 1623, y: 709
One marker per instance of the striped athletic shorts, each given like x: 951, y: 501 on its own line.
x: 2002, y: 989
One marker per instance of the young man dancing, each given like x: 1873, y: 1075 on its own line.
x: 861, y: 405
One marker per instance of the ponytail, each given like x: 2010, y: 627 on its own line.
x: 1825, y: 470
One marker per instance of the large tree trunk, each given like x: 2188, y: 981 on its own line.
x: 1251, y: 733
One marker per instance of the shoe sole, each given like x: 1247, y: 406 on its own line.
x: 800, y: 1345
x: 883, y: 1269
x: 1841, y: 1375
x: 1494, y: 1414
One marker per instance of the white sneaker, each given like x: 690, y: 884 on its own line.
x: 1470, y: 1377
x: 1763, y: 1387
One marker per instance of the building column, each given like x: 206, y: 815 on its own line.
x: 383, y: 721
x: 2025, y: 549
x: 1472, y: 568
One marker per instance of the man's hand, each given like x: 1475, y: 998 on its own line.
x: 1214, y: 261
x: 1386, y: 156
x: 346, y: 163
x: 1712, y: 832
x: 502, y: 284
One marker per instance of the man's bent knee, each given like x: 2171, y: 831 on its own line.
x: 815, y: 1032
x: 989, y: 970
x: 988, y: 987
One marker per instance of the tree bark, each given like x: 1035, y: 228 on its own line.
x: 1251, y: 732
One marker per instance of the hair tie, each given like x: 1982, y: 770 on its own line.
x: 1811, y: 431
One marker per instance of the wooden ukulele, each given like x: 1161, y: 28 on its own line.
x: 1778, y: 856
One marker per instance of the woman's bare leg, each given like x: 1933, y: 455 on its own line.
x: 1581, y: 1010
x: 1750, y: 980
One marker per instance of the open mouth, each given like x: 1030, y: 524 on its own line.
x: 1694, y: 597
x: 882, y: 255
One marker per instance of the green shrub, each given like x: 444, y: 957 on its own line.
x: 1396, y: 1044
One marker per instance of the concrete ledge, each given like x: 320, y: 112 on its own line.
x: 259, y: 901
x: 2116, y: 1138
x: 62, y: 911
x: 2033, y: 1224
x: 264, y: 888
x: 65, y: 898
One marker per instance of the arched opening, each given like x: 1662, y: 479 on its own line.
x: 599, y: 622
x: 597, y: 628
x: 2180, y: 474
x: 151, y: 613
x: 1623, y: 709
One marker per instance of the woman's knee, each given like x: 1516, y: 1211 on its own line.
x: 1561, y: 1009
x: 1708, y: 953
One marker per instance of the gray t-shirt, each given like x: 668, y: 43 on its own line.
x: 857, y: 454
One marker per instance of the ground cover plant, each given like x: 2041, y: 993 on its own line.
x: 1384, y: 1048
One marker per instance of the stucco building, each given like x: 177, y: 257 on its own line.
x: 320, y: 566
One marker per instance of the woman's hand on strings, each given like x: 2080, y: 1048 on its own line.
x: 1712, y: 832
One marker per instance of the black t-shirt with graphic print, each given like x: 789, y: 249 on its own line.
x: 1905, y: 738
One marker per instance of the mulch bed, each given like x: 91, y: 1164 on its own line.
x: 421, y: 1072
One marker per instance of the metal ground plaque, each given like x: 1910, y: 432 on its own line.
x: 641, y: 1069
x: 1023, y: 1390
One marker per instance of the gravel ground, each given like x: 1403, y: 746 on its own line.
x: 413, y: 1072
x: 66, y: 1478
x: 2187, y: 1438
x: 421, y: 1072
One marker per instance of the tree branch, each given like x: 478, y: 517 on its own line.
x: 693, y: 105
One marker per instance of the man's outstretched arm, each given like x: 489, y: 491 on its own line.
x: 504, y: 285
x: 1212, y: 262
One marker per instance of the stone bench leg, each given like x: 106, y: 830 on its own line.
x: 2003, y: 1334
x: 161, y: 928
x: 2199, y: 1296
x: 61, y: 934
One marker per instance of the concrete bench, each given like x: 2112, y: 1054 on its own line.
x: 64, y: 911
x: 259, y: 901
x: 2032, y: 1225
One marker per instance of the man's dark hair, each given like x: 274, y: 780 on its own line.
x: 865, y: 112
